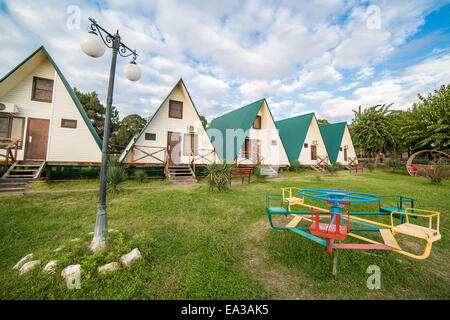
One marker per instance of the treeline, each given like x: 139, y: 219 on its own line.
x: 122, y: 131
x: 426, y: 125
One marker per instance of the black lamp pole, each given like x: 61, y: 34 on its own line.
x: 101, y: 224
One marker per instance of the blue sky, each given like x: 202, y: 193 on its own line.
x: 323, y: 56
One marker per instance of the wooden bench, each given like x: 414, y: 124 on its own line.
x: 241, y: 173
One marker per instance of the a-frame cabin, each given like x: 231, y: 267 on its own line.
x: 302, y: 140
x: 248, y: 137
x: 42, y: 122
x: 339, y: 144
x: 173, y: 137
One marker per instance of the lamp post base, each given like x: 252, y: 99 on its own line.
x: 100, y: 241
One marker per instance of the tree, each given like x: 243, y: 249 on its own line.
x: 128, y: 128
x: 322, y: 122
x: 427, y: 124
x: 373, y: 130
x: 204, y: 121
x: 96, y: 112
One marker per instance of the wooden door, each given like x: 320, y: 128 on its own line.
x: 174, y: 147
x: 36, y: 139
x: 345, y: 154
x: 313, y: 152
x: 258, y: 151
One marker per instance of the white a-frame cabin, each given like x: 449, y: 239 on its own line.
x: 303, y: 141
x: 173, y: 136
x: 247, y: 136
x: 41, y: 119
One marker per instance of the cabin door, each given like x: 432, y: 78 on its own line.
x: 36, y: 139
x: 313, y: 152
x: 256, y: 144
x: 174, y: 147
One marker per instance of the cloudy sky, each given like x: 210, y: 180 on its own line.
x: 326, y: 56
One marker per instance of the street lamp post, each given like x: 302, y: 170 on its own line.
x: 92, y: 46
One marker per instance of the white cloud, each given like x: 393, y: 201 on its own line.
x: 401, y: 90
x: 365, y: 73
x: 229, y: 53
x: 317, y: 96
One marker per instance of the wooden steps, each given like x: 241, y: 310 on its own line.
x: 317, y: 168
x: 181, y: 174
x: 19, y: 173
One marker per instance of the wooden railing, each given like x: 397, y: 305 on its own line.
x: 157, y: 154
x: 195, y: 157
x: 9, y: 145
x: 351, y: 161
x: 322, y: 161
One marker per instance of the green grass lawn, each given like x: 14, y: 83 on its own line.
x: 198, y: 244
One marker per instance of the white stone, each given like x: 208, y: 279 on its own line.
x: 71, y: 271
x: 50, y: 267
x: 130, y: 257
x: 112, y: 230
x: 27, y: 258
x: 29, y: 266
x: 74, y: 240
x: 57, y: 250
x: 110, y: 267
x: 91, y: 233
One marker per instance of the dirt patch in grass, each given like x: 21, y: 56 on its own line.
x: 276, y: 278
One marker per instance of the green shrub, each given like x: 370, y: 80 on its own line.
x: 370, y: 166
x: 393, y: 164
x: 115, y: 176
x: 140, y: 175
x: 218, y: 177
x: 437, y: 172
x: 332, y: 169
x: 297, y: 166
x: 339, y: 166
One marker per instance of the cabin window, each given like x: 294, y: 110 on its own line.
x: 175, y: 109
x: 12, y: 127
x: 257, y: 123
x: 313, y: 152
x: 190, y: 144
x: 274, y: 142
x: 345, y: 154
x: 67, y: 123
x: 42, y: 90
x: 340, y: 149
x: 305, y: 145
x: 150, y: 136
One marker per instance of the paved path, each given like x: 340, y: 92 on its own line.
x: 169, y: 186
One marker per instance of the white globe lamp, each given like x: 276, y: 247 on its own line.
x: 92, y: 45
x: 132, y: 71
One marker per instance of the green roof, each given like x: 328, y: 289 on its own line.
x: 68, y: 88
x: 152, y: 117
x: 293, y: 134
x: 332, y: 135
x: 241, y: 118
